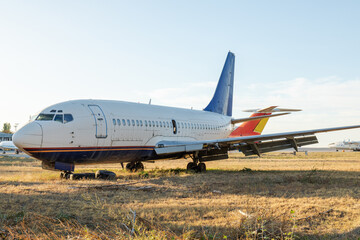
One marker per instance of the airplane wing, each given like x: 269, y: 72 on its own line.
x: 217, y: 149
x: 239, y: 120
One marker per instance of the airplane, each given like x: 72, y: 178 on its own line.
x: 105, y: 131
x: 346, y: 145
x: 255, y: 127
x: 6, y: 145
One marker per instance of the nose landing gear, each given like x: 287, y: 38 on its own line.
x: 65, y: 175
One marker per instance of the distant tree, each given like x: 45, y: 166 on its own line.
x: 6, y: 128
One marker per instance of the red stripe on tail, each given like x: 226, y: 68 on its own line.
x: 247, y: 128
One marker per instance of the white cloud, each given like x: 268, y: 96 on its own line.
x: 326, y: 102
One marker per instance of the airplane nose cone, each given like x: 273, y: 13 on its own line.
x: 29, y: 136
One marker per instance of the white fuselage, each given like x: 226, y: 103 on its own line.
x: 346, y: 145
x: 114, y: 126
x: 5, y: 145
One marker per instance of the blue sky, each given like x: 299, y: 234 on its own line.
x: 302, y: 54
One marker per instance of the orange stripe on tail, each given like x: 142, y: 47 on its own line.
x: 250, y: 128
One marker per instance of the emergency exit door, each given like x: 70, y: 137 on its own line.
x: 100, y: 121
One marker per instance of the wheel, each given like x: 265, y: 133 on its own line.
x: 191, y: 166
x: 65, y: 175
x: 104, y: 174
x: 77, y: 176
x: 139, y: 166
x: 202, y: 167
x: 130, y: 166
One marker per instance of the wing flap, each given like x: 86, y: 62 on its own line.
x: 276, y: 145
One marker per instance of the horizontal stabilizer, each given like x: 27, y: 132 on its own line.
x: 272, y: 109
x: 239, y: 120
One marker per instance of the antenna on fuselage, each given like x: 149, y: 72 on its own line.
x: 150, y: 101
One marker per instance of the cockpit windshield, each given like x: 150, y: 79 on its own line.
x: 45, y: 117
x: 62, y: 118
x: 68, y: 118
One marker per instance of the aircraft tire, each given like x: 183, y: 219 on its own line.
x: 201, y: 167
x: 130, y: 167
x: 104, y: 174
x: 77, y: 176
x: 65, y: 175
x: 191, y: 166
x: 139, y: 166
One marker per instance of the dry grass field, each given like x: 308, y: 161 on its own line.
x: 277, y: 196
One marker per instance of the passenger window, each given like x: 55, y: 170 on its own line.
x: 141, y: 123
x: 157, y: 124
x: 114, y: 121
x: 145, y: 123
x: 124, y: 123
x: 133, y: 122
x: 68, y: 118
x: 167, y: 124
x: 58, y: 118
x: 149, y: 123
x: 119, y: 122
x: 137, y: 123
x: 160, y: 124
x: 153, y: 123
x: 128, y: 122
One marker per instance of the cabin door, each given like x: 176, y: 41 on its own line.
x: 100, y: 121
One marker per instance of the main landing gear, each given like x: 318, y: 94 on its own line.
x: 135, y: 166
x: 196, y: 166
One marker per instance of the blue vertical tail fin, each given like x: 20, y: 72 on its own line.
x: 222, y: 100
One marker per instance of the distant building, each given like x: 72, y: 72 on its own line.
x: 5, y: 137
